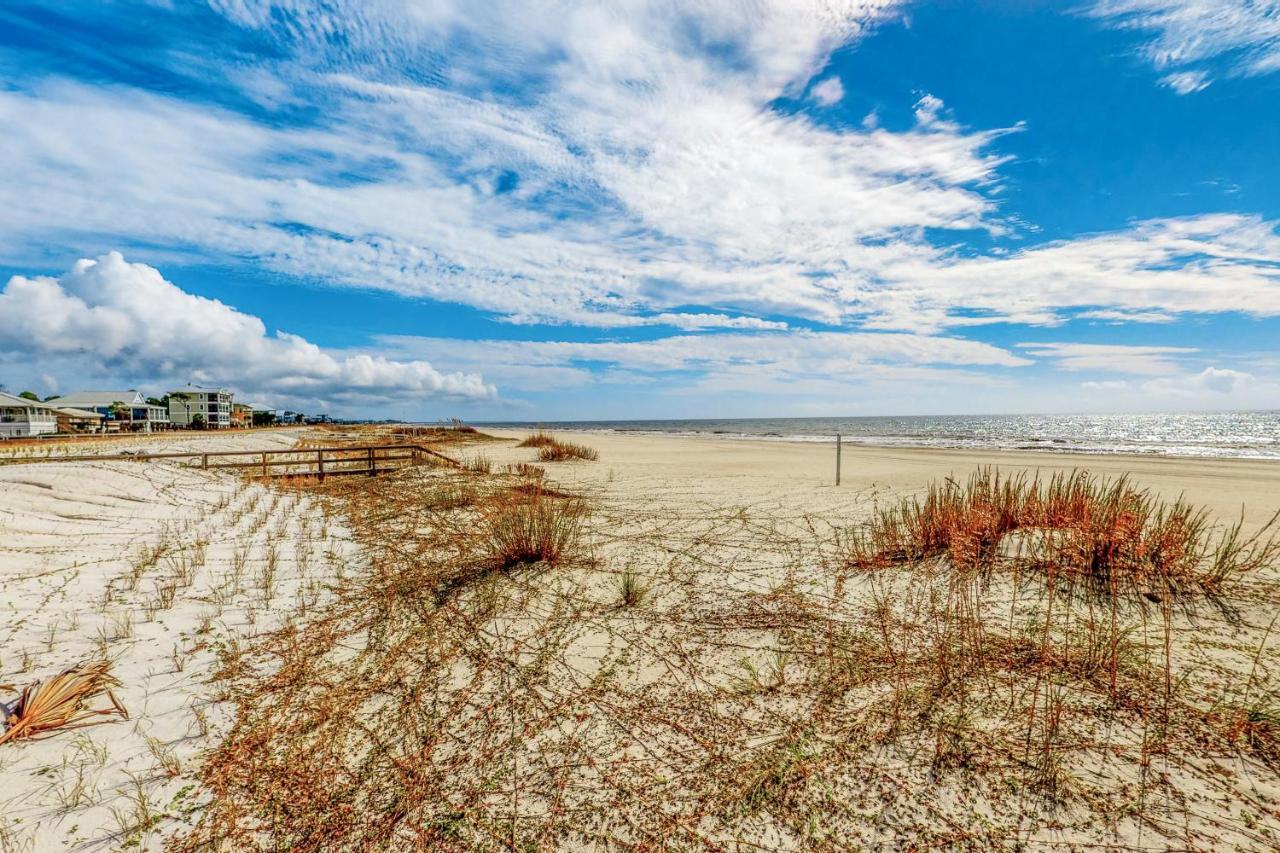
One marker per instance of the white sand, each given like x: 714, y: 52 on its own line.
x: 73, y: 536
x: 800, y: 476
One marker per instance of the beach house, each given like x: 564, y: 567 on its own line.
x: 241, y: 415
x: 23, y: 418
x: 209, y: 408
x: 78, y: 420
x: 122, y: 411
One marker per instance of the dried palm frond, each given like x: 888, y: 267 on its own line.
x: 61, y: 702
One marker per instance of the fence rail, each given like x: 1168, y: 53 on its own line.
x: 369, y: 459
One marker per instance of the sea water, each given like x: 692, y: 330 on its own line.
x: 1254, y: 435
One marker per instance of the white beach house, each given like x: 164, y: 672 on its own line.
x: 23, y: 418
x: 122, y: 411
x: 193, y: 404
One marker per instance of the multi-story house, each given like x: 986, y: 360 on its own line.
x: 23, y: 418
x: 241, y: 415
x: 194, y: 405
x: 122, y: 411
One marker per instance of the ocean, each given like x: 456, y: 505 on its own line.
x: 1252, y: 435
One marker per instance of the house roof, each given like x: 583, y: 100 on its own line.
x: 77, y: 413
x: 7, y: 399
x: 199, y: 389
x: 103, y: 399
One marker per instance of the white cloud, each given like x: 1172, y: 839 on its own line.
x: 828, y: 92
x: 1186, y: 82
x: 1117, y: 317
x: 594, y: 165
x: 649, y: 172
x: 1111, y: 358
x: 769, y: 362
x: 1203, y: 264
x: 1246, y: 33
x: 1210, y: 381
x: 1109, y: 385
x: 111, y: 318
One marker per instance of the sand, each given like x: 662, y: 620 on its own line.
x: 153, y: 566
x: 801, y: 475
x: 87, y: 550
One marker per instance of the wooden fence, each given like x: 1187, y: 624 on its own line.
x: 369, y: 459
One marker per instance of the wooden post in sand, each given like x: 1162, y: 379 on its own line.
x: 837, y: 459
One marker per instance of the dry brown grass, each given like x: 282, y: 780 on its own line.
x: 481, y: 684
x: 1107, y: 539
x: 562, y: 451
x: 538, y: 439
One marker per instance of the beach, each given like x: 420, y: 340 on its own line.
x: 801, y: 475
x: 679, y: 657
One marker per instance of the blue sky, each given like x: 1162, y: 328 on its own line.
x: 645, y: 209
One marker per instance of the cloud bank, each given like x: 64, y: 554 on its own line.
x: 120, y: 318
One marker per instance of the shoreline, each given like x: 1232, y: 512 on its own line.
x: 802, y: 474
x: 876, y: 444
x: 1210, y: 435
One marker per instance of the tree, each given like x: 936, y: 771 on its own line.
x: 197, y: 421
x: 163, y: 402
x: 118, y: 411
x: 30, y: 395
x: 264, y: 418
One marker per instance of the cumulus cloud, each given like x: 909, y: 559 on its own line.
x: 115, y: 318
x: 1244, y: 33
x: 1211, y: 381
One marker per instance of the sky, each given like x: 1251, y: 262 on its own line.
x: 645, y: 208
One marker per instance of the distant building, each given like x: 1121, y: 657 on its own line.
x: 241, y: 415
x: 23, y: 418
x: 193, y: 404
x: 78, y: 420
x: 122, y: 411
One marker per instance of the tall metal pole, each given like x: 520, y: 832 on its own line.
x: 837, y: 459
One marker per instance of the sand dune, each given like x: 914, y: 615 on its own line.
x: 169, y: 571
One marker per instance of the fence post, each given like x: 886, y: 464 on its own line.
x: 373, y: 463
x: 204, y: 461
x: 264, y: 464
x: 320, y: 463
x: 837, y: 459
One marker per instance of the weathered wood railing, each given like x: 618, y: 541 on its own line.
x: 370, y: 459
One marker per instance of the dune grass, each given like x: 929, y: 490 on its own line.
x: 563, y: 451
x: 1107, y: 539
x: 487, y: 681
x: 538, y: 439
